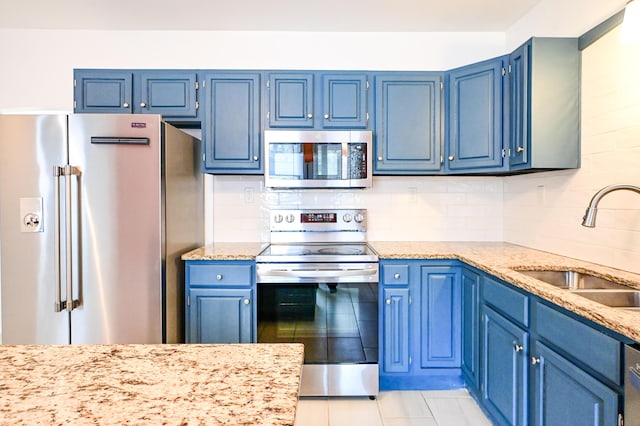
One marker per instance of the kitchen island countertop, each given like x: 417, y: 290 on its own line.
x: 150, y: 384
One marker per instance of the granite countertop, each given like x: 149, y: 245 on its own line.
x: 226, y: 251
x: 500, y: 259
x: 150, y: 384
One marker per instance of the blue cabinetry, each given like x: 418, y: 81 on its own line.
x: 471, y: 329
x: 220, y: 302
x: 544, y: 86
x: 420, y: 318
x: 475, y: 117
x: 318, y: 100
x: 173, y: 94
x: 231, y: 128
x: 408, y: 123
x: 103, y: 91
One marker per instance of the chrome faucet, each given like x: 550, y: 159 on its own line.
x: 589, y: 219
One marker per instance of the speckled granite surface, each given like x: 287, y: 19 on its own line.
x: 150, y: 384
x: 226, y: 251
x: 500, y: 260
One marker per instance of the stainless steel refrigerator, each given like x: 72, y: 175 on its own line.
x: 95, y: 211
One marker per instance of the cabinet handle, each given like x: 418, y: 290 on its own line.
x: 519, y: 149
x: 535, y: 360
x: 246, y: 301
x: 326, y: 116
x: 451, y: 158
x: 143, y: 105
x: 380, y: 158
x: 396, y: 276
x: 255, y: 158
x: 219, y: 277
x: 388, y: 301
x: 309, y: 115
x: 517, y: 347
x: 125, y: 105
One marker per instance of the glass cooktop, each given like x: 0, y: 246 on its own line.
x: 322, y: 252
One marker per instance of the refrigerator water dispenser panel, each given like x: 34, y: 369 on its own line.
x: 31, y: 215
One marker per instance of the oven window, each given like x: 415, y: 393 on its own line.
x: 337, y: 323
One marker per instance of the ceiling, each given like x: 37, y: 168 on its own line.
x: 272, y: 15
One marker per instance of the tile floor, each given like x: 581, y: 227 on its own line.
x: 397, y: 408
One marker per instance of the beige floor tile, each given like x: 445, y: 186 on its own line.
x: 413, y: 421
x: 354, y: 412
x: 312, y: 412
x: 455, y: 412
x: 403, y: 404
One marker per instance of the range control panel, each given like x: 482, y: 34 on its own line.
x: 336, y: 220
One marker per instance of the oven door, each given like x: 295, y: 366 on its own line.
x: 333, y: 310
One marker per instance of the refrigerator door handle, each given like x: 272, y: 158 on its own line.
x: 70, y: 304
x: 59, y: 305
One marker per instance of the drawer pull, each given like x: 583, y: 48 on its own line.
x: 396, y: 276
x: 388, y: 301
x: 535, y: 360
x: 517, y: 347
x: 219, y: 277
x: 246, y: 301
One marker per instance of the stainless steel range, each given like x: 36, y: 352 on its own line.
x: 318, y: 285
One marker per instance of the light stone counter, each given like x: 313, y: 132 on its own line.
x: 500, y: 260
x: 226, y: 251
x: 245, y: 384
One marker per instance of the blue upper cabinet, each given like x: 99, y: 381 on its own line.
x: 344, y: 101
x: 316, y: 100
x: 171, y: 94
x: 475, y: 117
x: 103, y: 91
x: 408, y: 123
x: 231, y: 127
x: 544, y: 85
x: 291, y: 100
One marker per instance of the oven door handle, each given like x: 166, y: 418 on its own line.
x: 321, y: 273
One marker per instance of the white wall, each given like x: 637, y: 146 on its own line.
x: 545, y: 210
x: 38, y: 65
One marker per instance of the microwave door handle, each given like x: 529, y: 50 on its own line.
x: 345, y: 160
x: 324, y: 273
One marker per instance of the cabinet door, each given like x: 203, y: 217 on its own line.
x: 504, y: 368
x: 475, y: 116
x: 519, y: 105
x: 395, y: 331
x: 344, y: 100
x: 408, y: 123
x: 171, y: 94
x: 291, y: 100
x: 566, y: 395
x: 471, y: 327
x: 231, y: 133
x: 439, y: 317
x: 220, y: 315
x: 103, y: 91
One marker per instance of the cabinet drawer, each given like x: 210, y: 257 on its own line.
x: 216, y: 274
x: 506, y: 300
x: 395, y: 274
x: 585, y: 344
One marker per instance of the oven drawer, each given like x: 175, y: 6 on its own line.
x: 204, y: 273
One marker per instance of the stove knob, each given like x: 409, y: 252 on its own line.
x: 347, y: 218
x: 277, y: 218
x: 290, y: 218
x: 359, y: 217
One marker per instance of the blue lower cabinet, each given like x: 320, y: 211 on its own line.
x: 566, y: 395
x: 220, y: 302
x: 220, y: 315
x: 504, y: 369
x: 421, y: 321
x: 471, y: 329
x: 395, y: 330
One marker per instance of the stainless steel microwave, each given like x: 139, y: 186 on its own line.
x: 317, y: 159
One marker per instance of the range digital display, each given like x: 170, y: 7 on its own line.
x: 318, y: 218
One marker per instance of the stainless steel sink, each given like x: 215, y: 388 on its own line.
x: 613, y: 298
x: 573, y: 280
